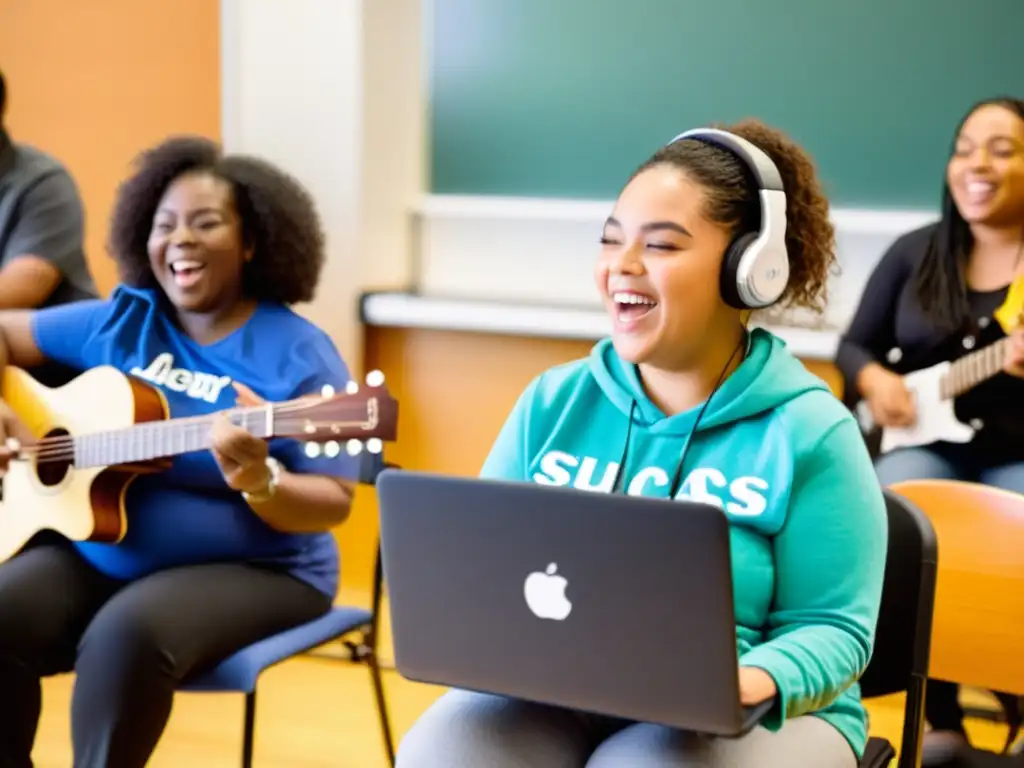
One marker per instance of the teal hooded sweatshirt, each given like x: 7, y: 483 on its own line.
x: 785, y: 461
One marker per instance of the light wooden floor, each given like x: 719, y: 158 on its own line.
x: 313, y: 713
x: 317, y: 713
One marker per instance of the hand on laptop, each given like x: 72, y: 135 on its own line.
x: 756, y: 686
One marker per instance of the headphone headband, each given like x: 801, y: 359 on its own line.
x: 756, y: 159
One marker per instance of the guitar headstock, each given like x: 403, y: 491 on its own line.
x: 357, y: 419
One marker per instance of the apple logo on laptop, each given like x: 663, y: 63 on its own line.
x: 545, y: 594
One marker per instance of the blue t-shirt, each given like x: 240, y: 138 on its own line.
x: 187, y: 514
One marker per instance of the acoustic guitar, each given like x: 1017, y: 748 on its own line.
x: 96, y: 434
x: 936, y: 387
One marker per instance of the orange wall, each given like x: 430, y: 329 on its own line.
x: 95, y: 82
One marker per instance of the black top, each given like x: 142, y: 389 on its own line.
x: 891, y: 329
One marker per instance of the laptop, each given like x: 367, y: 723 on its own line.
x: 610, y: 604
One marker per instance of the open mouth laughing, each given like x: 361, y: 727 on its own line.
x: 632, y: 307
x: 186, y: 272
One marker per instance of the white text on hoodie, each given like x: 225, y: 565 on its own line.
x: 746, y: 495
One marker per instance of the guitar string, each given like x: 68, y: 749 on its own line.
x: 203, y: 420
x: 244, y: 411
x: 68, y: 453
x: 149, y: 428
x: 59, y: 445
x: 956, y: 382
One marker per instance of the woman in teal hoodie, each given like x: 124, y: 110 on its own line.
x: 683, y: 401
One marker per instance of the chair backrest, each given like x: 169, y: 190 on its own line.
x: 905, y: 618
x: 903, y: 634
x: 978, y: 629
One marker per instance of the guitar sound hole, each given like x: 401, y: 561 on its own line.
x: 53, y: 464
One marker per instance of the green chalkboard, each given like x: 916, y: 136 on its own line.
x: 563, y: 98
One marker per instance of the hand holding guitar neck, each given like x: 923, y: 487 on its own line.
x: 887, y: 396
x: 240, y: 456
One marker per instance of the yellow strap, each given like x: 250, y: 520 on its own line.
x: 1009, y: 313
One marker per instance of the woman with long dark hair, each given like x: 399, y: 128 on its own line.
x: 941, y: 292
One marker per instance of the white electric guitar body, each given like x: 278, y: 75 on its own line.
x: 934, y: 390
x: 936, y: 417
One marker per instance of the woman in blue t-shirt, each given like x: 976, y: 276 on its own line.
x: 227, y: 546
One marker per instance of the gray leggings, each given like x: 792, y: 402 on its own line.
x: 474, y: 730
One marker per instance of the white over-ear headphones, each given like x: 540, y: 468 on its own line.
x: 755, y: 270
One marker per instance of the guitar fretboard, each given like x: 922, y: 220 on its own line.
x: 971, y: 370
x: 160, y: 439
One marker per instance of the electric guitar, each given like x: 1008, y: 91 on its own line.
x: 935, y: 388
x: 96, y: 434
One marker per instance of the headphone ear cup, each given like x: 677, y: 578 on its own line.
x: 729, y: 275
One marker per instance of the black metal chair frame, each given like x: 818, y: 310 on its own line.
x: 903, y: 637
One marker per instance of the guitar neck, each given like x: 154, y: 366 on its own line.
x: 973, y: 369
x: 163, y: 439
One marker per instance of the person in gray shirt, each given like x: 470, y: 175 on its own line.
x: 42, y: 258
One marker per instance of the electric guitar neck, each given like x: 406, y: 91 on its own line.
x: 973, y: 369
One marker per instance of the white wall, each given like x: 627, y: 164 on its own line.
x: 332, y: 91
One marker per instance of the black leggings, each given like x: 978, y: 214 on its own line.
x: 130, y: 645
x: 942, y: 707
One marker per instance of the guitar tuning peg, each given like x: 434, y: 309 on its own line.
x: 312, y: 450
x: 354, y: 447
x: 327, y: 391
x: 332, y: 449
x: 351, y: 387
x: 374, y: 378
x: 374, y: 445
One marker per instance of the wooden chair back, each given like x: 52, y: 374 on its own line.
x: 978, y: 627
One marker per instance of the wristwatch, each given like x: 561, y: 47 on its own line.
x: 273, y: 476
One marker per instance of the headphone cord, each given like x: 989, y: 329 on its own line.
x: 677, y: 477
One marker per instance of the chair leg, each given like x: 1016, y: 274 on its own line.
x: 250, y: 727
x: 382, y: 707
x: 368, y: 653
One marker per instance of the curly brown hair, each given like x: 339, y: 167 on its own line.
x: 732, y: 200
x: 279, y: 218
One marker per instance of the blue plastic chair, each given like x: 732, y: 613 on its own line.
x: 240, y: 672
